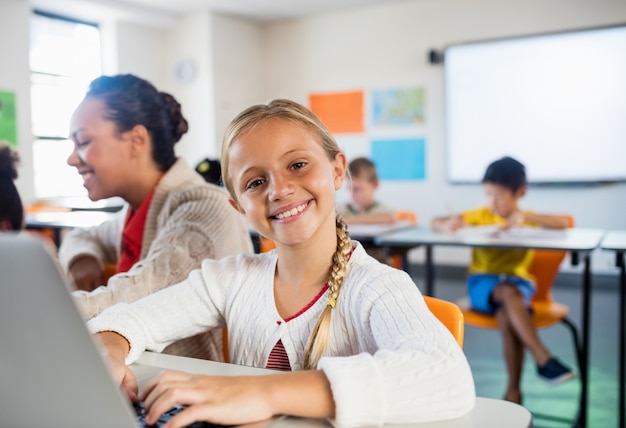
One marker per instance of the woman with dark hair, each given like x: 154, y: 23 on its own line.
x: 124, y: 132
x: 11, y: 208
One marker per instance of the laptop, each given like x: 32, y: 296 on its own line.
x: 52, y: 373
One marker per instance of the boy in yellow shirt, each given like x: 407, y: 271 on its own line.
x: 499, y: 282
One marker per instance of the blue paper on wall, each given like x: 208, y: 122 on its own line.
x: 400, y: 158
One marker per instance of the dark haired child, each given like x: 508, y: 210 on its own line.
x: 499, y: 282
x: 11, y: 208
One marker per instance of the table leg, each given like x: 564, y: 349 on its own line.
x: 429, y: 271
x: 584, y: 354
x: 621, y: 263
x: 57, y: 237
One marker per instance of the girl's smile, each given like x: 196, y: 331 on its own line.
x: 287, y: 213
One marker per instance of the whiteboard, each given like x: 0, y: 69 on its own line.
x: 555, y: 102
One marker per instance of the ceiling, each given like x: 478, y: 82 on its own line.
x: 163, y: 12
x: 262, y: 10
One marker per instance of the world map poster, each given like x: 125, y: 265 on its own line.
x: 397, y: 107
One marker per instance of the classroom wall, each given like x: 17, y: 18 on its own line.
x: 154, y: 53
x: 129, y: 39
x: 190, y: 41
x: 237, y: 69
x: 239, y: 62
x: 386, y: 46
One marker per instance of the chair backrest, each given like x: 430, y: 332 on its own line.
x: 545, y: 267
x: 450, y: 316
x: 266, y: 244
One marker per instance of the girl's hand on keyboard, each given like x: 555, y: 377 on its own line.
x: 226, y: 400
x: 234, y: 400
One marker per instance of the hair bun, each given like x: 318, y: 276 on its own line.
x: 178, y: 121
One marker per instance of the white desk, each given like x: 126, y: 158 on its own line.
x: 364, y: 233
x: 616, y: 241
x: 578, y: 242
x: 488, y: 412
x: 368, y: 232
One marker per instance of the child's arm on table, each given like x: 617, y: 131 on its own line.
x: 448, y: 224
x: 549, y: 221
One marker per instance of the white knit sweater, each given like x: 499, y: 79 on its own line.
x: 389, y: 359
x: 188, y: 221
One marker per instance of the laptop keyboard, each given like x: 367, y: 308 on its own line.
x: 141, y: 415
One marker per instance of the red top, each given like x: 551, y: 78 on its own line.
x: 278, y: 358
x: 132, y: 236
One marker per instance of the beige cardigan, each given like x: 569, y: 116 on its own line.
x: 188, y: 220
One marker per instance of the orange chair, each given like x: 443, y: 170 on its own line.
x: 449, y: 314
x: 546, y: 312
x: 266, y: 244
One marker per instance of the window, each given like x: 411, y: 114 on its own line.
x: 65, y: 55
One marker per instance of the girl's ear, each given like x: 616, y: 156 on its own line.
x: 236, y: 206
x: 339, y: 169
x: 521, y: 192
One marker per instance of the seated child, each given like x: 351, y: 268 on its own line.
x: 363, y: 208
x: 354, y: 337
x: 499, y: 282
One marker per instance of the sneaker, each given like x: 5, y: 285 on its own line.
x: 553, y: 372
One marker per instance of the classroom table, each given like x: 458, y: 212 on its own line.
x: 57, y: 221
x: 367, y: 233
x: 364, y: 233
x: 616, y: 241
x: 487, y: 413
x: 578, y: 242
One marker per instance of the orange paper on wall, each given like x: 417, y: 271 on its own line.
x: 341, y: 112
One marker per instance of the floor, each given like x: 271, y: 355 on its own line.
x: 552, y: 406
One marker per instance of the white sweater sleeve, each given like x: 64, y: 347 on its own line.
x: 418, y: 373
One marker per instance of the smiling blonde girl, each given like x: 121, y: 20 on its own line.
x: 356, y: 341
